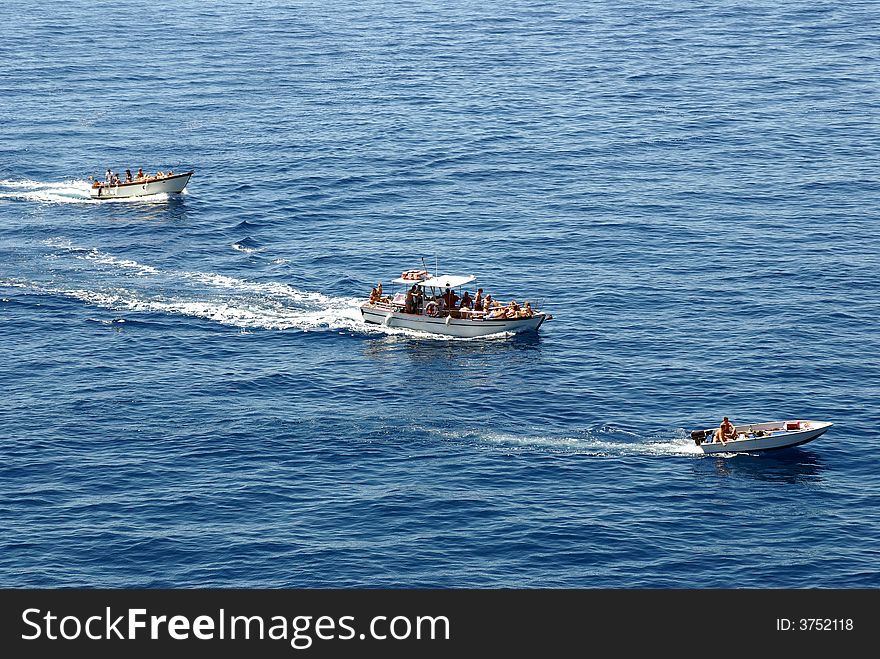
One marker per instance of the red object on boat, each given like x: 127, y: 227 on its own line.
x: 793, y: 425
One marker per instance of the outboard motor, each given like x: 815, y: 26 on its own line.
x: 699, y: 436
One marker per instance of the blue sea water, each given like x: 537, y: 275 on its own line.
x: 191, y: 399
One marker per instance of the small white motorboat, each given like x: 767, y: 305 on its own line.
x: 140, y: 187
x: 761, y: 436
x: 429, y: 312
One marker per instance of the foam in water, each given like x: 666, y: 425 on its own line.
x: 601, y: 442
x: 272, y: 288
x: 250, y: 313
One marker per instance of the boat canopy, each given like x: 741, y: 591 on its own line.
x: 443, y: 281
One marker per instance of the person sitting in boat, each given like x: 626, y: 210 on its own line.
x: 466, y: 301
x: 526, y: 311
x: 725, y: 433
x: 374, y: 295
x: 140, y: 173
x: 160, y: 174
x: 128, y: 178
x: 510, y: 311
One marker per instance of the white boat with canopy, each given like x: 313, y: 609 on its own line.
x: 428, y: 309
x: 761, y: 436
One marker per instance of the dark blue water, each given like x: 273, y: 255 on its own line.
x: 189, y: 395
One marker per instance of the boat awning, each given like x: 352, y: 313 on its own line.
x: 443, y: 281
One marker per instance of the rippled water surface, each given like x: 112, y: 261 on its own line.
x: 191, y: 399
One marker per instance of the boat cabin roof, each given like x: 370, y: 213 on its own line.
x: 443, y: 281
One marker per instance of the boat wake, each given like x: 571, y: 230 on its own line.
x: 62, y: 192
x: 122, y: 286
x: 604, y: 441
x: 126, y: 286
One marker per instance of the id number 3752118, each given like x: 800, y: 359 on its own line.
x: 815, y: 624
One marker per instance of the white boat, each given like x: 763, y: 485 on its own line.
x: 429, y: 315
x: 141, y: 187
x: 762, y: 436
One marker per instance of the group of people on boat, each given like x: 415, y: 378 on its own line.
x: 112, y: 178
x: 376, y: 294
x: 484, y: 305
x: 449, y: 303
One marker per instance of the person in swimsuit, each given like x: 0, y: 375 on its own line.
x: 478, y: 300
x: 725, y: 433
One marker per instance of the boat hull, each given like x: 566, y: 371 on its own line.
x: 169, y: 184
x: 458, y: 327
x: 775, y: 437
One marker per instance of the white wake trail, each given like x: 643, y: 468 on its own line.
x: 62, y: 192
x: 594, y: 443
